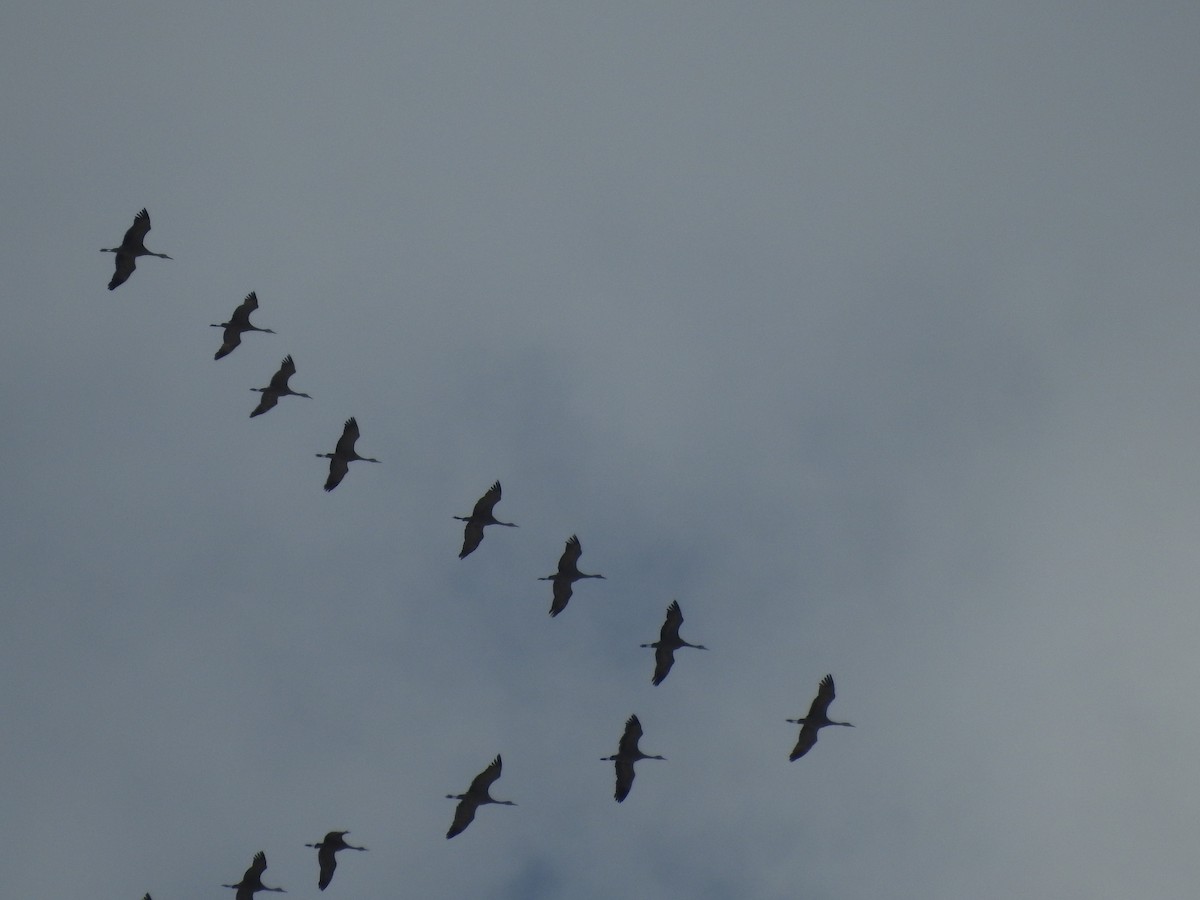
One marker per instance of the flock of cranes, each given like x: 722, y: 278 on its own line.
x: 563, y: 581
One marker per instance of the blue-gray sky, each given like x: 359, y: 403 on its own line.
x: 868, y: 333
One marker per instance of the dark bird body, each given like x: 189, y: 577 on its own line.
x: 343, y: 455
x: 477, y: 795
x: 568, y: 573
x: 668, y: 642
x: 480, y: 518
x: 277, y: 388
x: 251, y: 882
x: 239, y: 324
x: 816, y: 719
x: 627, y: 754
x: 326, y: 858
x: 131, y: 248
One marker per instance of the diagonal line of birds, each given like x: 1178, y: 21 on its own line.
x: 562, y: 580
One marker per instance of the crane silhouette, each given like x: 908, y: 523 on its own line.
x: 477, y: 795
x: 627, y: 754
x: 131, y: 248
x: 568, y: 573
x: 668, y: 642
x: 479, y: 519
x: 251, y: 882
x: 343, y: 454
x: 326, y: 848
x: 277, y: 388
x: 238, y: 324
x: 816, y: 719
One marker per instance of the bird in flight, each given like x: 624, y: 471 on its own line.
x: 277, y: 388
x: 251, y: 882
x: 668, y: 642
x: 480, y: 518
x: 568, y: 573
x: 326, y: 848
x: 816, y: 719
x: 343, y: 454
x: 477, y: 795
x: 131, y: 248
x: 627, y: 754
x: 238, y: 324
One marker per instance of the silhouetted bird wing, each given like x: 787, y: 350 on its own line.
x: 279, y: 381
x: 338, y: 468
x: 136, y: 235
x: 268, y: 401
x: 624, y: 779
x: 472, y: 536
x: 664, y: 658
x: 570, y: 557
x: 562, y: 593
x: 670, y: 628
x: 485, y: 504
x: 257, y: 867
x: 327, y: 857
x: 232, y: 337
x: 485, y: 779
x: 345, y: 444
x: 464, y: 815
x: 125, y: 264
x: 630, y: 738
x: 820, y: 704
x: 808, y: 739
x: 241, y: 316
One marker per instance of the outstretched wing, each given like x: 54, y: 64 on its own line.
x: 124, y: 268
x: 136, y: 235
x: 230, y: 341
x: 241, y: 316
x: 808, y: 740
x: 562, y: 593
x: 630, y: 738
x: 624, y: 779
x: 472, y: 536
x: 338, y: 468
x: 327, y: 857
x: 570, y: 557
x: 485, y: 779
x: 664, y: 658
x: 464, y: 815
x: 345, y: 444
x: 268, y: 401
x: 258, y: 866
x: 670, y: 628
x: 820, y: 705
x: 279, y: 381
x: 485, y: 504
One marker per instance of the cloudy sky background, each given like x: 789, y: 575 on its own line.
x: 868, y: 334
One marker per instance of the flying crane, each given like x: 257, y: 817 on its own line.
x: 480, y: 518
x: 816, y: 719
x: 477, y: 795
x: 627, y: 754
x: 131, y: 248
x: 343, y: 454
x: 326, y: 848
x: 238, y: 324
x: 668, y: 642
x: 277, y: 388
x: 251, y: 882
x: 568, y: 573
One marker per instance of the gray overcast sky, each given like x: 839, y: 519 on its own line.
x: 868, y: 333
